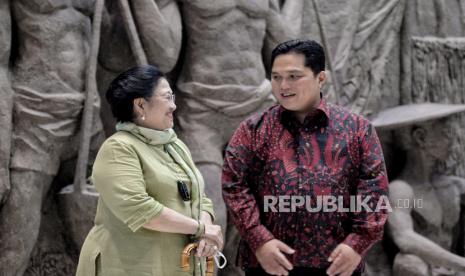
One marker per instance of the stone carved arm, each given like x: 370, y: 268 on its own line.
x: 160, y: 31
x: 400, y: 226
x: 292, y: 13
x: 282, y: 24
x: 457, y: 181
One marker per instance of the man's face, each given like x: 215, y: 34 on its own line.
x: 294, y: 85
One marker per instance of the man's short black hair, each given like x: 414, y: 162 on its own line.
x: 137, y: 82
x: 312, y: 50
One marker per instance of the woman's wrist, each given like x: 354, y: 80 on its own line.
x: 200, y: 229
x: 206, y: 218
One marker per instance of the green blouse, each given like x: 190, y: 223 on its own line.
x: 136, y: 173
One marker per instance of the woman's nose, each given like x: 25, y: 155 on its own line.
x: 172, y: 106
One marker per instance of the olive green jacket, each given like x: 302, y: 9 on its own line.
x: 136, y: 177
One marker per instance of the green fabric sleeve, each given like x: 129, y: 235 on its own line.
x: 118, y: 177
x: 207, y: 206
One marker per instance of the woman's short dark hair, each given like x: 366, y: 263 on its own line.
x: 137, y: 82
x: 312, y: 50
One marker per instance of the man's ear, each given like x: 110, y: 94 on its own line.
x: 419, y: 136
x: 321, y: 78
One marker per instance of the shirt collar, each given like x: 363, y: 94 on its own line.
x: 317, y: 117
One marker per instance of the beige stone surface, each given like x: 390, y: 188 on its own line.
x: 382, y: 54
x: 6, y: 94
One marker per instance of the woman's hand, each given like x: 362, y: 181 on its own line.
x: 212, y: 239
x: 206, y: 248
x: 213, y: 233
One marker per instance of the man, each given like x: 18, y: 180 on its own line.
x: 303, y: 147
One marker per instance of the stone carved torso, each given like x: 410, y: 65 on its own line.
x: 438, y: 213
x: 225, y: 39
x: 49, y: 79
x: 54, y: 36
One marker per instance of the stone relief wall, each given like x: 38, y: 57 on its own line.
x: 431, y: 62
x: 6, y: 104
x: 439, y: 68
x: 381, y: 54
x: 363, y: 38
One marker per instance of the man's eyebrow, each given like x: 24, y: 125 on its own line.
x: 288, y: 71
x: 294, y: 71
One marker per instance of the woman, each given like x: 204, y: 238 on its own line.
x: 152, y: 200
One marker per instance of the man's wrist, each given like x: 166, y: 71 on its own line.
x: 357, y: 243
x: 257, y: 237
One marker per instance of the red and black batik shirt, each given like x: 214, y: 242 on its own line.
x: 334, y: 152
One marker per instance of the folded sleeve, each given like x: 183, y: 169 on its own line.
x: 207, y: 206
x: 118, y: 177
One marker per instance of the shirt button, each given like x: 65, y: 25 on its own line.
x: 307, y: 145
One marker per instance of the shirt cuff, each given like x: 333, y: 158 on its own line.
x: 358, y: 243
x: 257, y: 236
x: 207, y: 206
x: 136, y: 222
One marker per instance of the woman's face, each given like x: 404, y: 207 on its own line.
x: 158, y: 110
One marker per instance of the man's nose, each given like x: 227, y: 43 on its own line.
x: 285, y: 83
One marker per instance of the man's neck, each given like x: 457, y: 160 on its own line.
x: 301, y: 115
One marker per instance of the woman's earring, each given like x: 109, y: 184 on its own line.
x: 143, y: 118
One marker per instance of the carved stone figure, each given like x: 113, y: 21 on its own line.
x: 362, y: 40
x: 223, y: 80
x: 426, y: 205
x: 48, y: 80
x: 432, y: 54
x: 436, y: 20
x: 6, y: 94
x: 159, y: 28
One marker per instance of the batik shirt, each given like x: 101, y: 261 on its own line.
x: 272, y: 156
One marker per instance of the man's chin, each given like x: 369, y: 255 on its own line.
x: 289, y: 107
